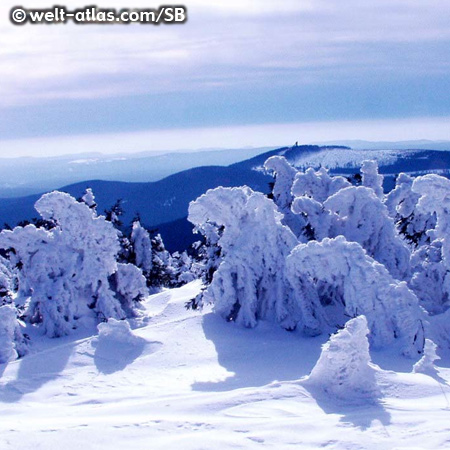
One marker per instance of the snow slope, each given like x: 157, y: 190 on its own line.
x: 190, y: 380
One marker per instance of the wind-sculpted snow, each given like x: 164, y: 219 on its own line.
x: 249, y: 284
x: 359, y: 285
x: 344, y: 368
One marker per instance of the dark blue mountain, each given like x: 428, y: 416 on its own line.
x: 162, y: 205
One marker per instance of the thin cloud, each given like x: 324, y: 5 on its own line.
x: 225, y: 42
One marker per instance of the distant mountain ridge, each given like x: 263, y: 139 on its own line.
x: 163, y: 204
x: 26, y: 176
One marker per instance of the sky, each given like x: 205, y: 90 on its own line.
x: 237, y: 73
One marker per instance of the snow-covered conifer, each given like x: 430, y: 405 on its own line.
x: 317, y: 185
x: 431, y: 262
x: 130, y: 287
x: 182, y: 264
x: 284, y: 175
x: 357, y: 285
x: 142, y: 247
x: 402, y: 207
x: 310, y: 189
x: 89, y: 198
x: 371, y: 178
x: 434, y: 192
x: 65, y: 269
x: 162, y: 272
x: 360, y: 216
x: 430, y: 278
x: 7, y: 278
x: 11, y: 340
x: 319, y: 220
x: 249, y: 283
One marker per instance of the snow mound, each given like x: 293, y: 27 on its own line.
x: 117, y: 346
x: 344, y: 368
x: 117, y: 331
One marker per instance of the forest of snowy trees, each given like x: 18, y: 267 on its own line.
x: 322, y: 250
x: 76, y: 267
x: 320, y: 254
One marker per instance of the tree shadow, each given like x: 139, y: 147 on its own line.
x: 360, y: 413
x: 34, y: 371
x: 258, y: 356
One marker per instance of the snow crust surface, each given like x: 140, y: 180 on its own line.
x: 189, y: 380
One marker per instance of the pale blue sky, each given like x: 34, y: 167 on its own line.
x: 233, y: 64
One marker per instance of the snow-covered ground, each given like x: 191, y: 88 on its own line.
x: 190, y: 380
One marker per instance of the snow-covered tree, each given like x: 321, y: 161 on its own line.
x: 319, y: 220
x: 142, y: 247
x: 130, y: 287
x: 344, y: 369
x: 208, y: 254
x: 89, y: 198
x: 162, y: 272
x: 402, y: 207
x: 430, y: 278
x: 114, y: 213
x: 434, y: 192
x: 7, y: 282
x: 371, y: 178
x: 249, y: 284
x: 182, y: 264
x: 317, y: 185
x: 284, y: 175
x: 357, y: 285
x: 66, y: 269
x: 310, y: 189
x: 360, y: 216
x: 431, y: 262
x: 12, y: 343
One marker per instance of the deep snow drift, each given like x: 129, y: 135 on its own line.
x: 188, y: 379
